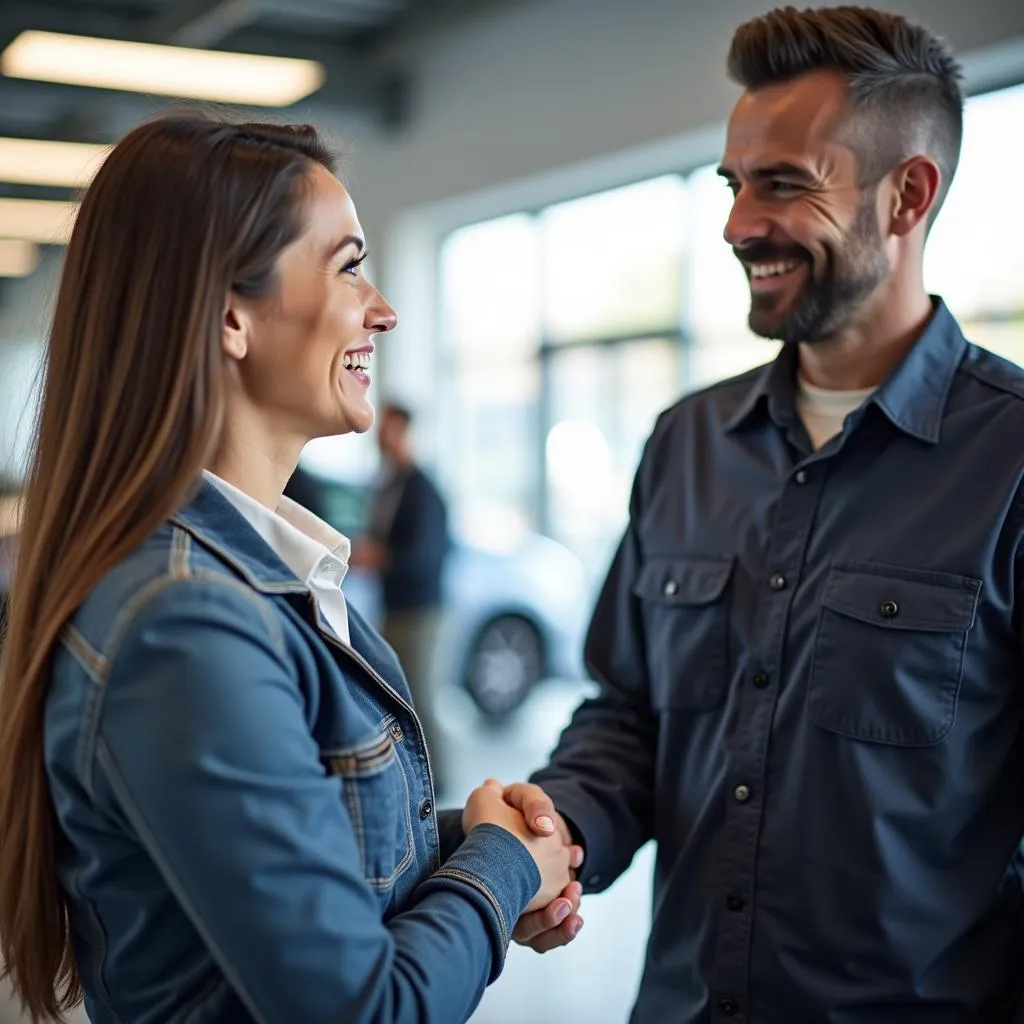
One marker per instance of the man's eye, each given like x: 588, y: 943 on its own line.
x: 784, y: 186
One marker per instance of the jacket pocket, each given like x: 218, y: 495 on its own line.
x: 376, y: 794
x: 686, y: 619
x: 889, y: 651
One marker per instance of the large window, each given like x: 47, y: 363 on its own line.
x: 567, y: 330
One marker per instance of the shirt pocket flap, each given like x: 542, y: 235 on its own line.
x: 683, y: 581
x: 903, y: 598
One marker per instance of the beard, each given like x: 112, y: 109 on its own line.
x: 825, y: 303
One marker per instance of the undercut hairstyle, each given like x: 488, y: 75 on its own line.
x: 904, y: 86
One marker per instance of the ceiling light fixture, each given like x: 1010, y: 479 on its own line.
x: 18, y: 258
x: 38, y: 162
x: 45, y: 221
x: 162, y: 70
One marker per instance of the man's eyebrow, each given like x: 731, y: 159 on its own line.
x: 782, y: 169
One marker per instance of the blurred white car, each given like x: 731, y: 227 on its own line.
x: 512, y: 617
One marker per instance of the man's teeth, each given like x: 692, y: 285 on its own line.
x: 357, y: 361
x: 771, y: 269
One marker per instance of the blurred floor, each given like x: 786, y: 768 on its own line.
x: 591, y: 981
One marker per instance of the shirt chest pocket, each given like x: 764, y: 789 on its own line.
x: 685, y: 610
x: 889, y: 652
x: 376, y: 794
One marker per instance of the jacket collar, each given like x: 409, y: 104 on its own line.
x: 214, y: 522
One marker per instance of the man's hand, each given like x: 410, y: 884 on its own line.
x: 559, y: 922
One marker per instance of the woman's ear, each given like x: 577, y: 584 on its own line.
x: 235, y: 331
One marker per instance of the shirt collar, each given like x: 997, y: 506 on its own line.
x: 913, y: 397
x: 301, y: 539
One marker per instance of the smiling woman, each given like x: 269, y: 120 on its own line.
x: 215, y: 794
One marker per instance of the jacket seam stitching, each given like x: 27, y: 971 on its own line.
x: 113, y: 772
x: 480, y: 886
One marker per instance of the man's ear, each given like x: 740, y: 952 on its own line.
x: 916, y: 188
x: 234, y: 330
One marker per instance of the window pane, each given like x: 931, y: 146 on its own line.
x: 490, y: 291
x: 1005, y: 339
x: 490, y: 460
x: 604, y: 401
x: 719, y: 297
x: 974, y: 257
x: 613, y: 261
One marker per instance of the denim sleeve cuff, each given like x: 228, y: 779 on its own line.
x: 500, y: 875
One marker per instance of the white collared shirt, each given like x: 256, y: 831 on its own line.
x: 317, y: 553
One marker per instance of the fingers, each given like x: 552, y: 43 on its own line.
x: 494, y: 786
x: 535, y: 806
x: 560, y: 936
x: 558, y: 912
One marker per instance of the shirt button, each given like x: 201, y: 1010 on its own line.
x: 742, y: 793
x: 801, y: 476
x: 777, y: 582
x: 890, y: 609
x: 670, y: 588
x: 426, y: 809
x: 728, y: 1007
x: 735, y: 903
x: 594, y: 880
x: 760, y: 680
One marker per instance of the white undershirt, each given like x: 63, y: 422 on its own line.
x: 823, y: 411
x: 317, y: 553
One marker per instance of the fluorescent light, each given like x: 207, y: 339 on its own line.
x: 37, y: 220
x: 163, y: 70
x: 17, y: 258
x: 35, y: 162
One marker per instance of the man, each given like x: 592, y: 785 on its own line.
x: 809, y: 641
x: 406, y: 543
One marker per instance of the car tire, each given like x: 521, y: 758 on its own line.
x: 504, y: 663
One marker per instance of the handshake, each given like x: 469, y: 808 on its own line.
x: 552, y: 917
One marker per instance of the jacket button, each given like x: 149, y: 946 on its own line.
x: 760, y: 680
x: 670, y: 588
x: 735, y: 903
x: 777, y: 582
x: 426, y: 809
x: 801, y: 476
x: 742, y: 793
x: 890, y: 609
x: 728, y: 1007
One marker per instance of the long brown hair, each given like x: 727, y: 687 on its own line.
x: 185, y: 209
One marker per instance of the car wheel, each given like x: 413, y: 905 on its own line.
x: 506, y: 660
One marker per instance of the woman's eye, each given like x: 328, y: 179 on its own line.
x: 352, y: 267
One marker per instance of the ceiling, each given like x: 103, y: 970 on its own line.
x: 363, y: 44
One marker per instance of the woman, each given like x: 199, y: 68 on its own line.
x: 214, y: 796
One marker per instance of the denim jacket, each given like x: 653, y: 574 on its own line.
x: 245, y: 809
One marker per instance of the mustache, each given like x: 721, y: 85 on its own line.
x: 766, y: 252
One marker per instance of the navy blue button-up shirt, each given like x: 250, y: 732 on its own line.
x: 810, y: 669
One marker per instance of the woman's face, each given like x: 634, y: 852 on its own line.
x: 303, y: 353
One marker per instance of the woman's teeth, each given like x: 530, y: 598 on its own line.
x: 357, y: 361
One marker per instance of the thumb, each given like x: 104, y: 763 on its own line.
x: 535, y: 806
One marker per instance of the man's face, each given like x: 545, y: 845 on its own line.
x: 806, y: 233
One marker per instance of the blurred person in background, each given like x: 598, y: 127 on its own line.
x: 809, y: 644
x: 215, y: 797
x: 405, y: 545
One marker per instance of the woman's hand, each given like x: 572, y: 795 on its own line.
x: 553, y: 856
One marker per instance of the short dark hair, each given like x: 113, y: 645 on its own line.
x: 398, y: 411
x: 903, y: 82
